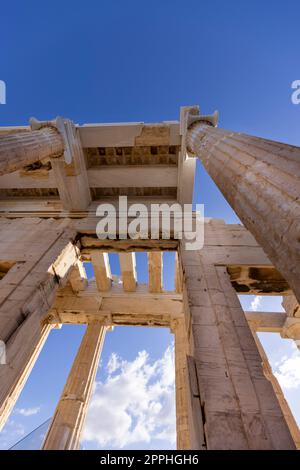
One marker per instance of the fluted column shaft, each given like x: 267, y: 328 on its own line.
x: 21, y: 149
x: 261, y: 181
x: 289, y: 418
x: 68, y: 420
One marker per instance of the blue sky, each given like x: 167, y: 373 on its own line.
x: 113, y: 61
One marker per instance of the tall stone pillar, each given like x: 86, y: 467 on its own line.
x: 46, y: 255
x: 238, y: 405
x: 22, y: 356
x: 183, y: 431
x: 21, y: 149
x: 69, y: 416
x: 290, y: 420
x: 260, y: 180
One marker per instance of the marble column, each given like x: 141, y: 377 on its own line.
x: 20, y: 149
x: 261, y: 181
x: 238, y: 405
x: 68, y: 420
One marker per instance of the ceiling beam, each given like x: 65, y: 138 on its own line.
x: 155, y: 266
x: 129, y: 134
x: 177, y: 281
x: 128, y: 271
x: 119, y: 176
x: 88, y: 244
x: 100, y: 262
x: 78, y: 278
x: 116, y: 307
x: 266, y: 321
x: 133, y: 176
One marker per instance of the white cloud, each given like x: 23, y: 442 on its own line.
x: 135, y: 404
x: 256, y: 303
x: 11, y: 433
x: 28, y: 411
x: 287, y: 371
x: 113, y: 364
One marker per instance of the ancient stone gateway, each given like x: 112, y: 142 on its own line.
x: 53, y: 177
